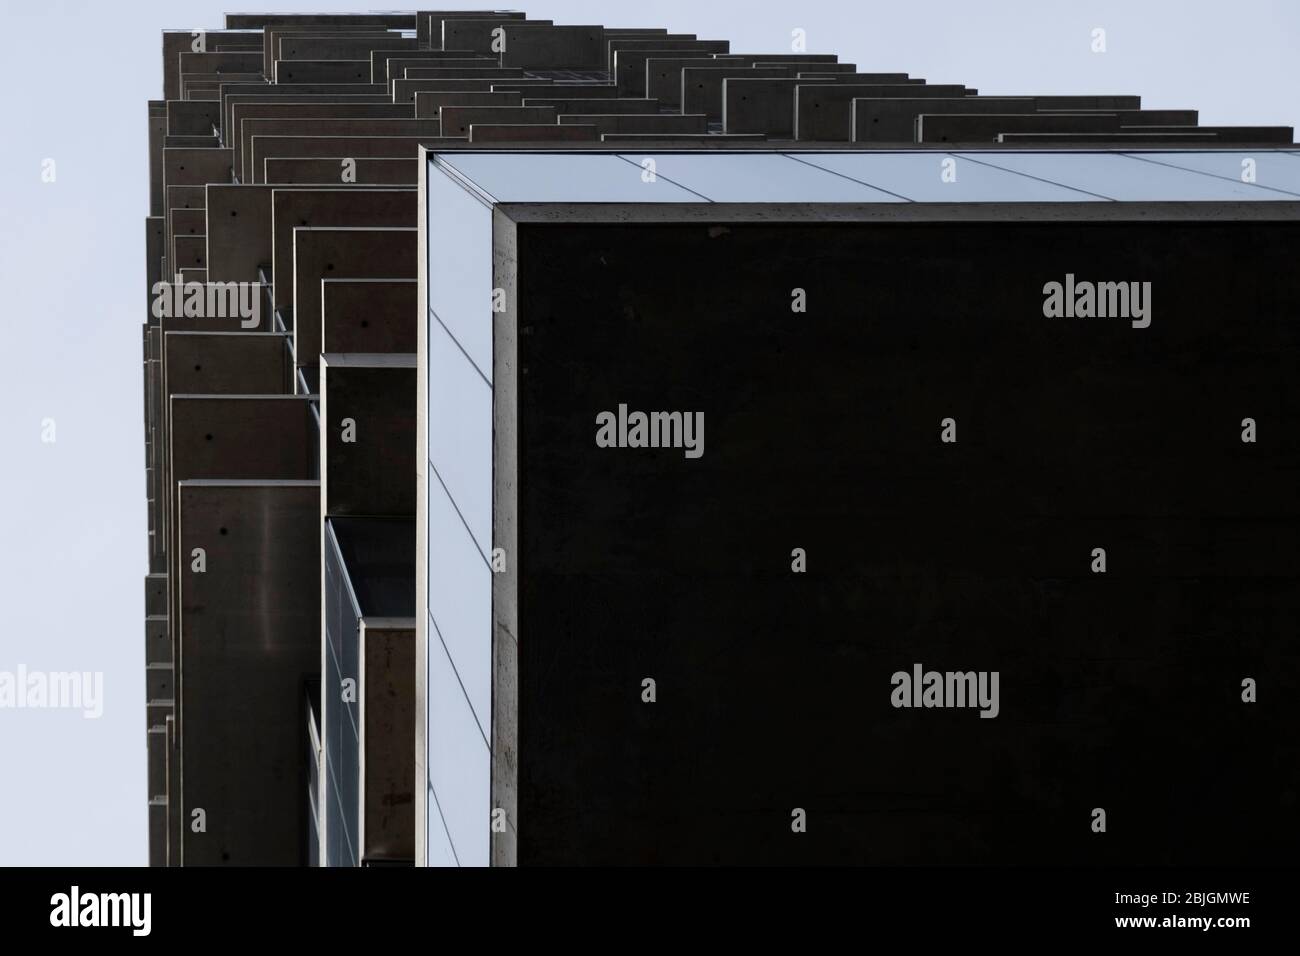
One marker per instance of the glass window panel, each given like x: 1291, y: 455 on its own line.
x: 460, y: 266
x: 459, y: 763
x: 561, y: 177
x: 943, y: 177
x: 1274, y: 171
x: 757, y: 177
x: 1120, y: 177
x: 460, y: 602
x: 460, y: 434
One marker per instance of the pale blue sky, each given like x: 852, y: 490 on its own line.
x: 74, y: 80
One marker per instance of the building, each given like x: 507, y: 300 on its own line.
x: 583, y: 445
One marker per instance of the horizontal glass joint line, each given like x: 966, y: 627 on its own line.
x: 456, y: 342
x: 1050, y: 182
x: 667, y: 179
x: 356, y: 731
x: 445, y: 829
x: 463, y: 692
x: 456, y: 508
x: 860, y: 182
x: 1202, y: 172
x: 338, y: 799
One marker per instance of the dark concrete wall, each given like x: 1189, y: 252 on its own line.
x: 1117, y: 690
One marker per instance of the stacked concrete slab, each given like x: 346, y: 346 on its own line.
x: 279, y: 353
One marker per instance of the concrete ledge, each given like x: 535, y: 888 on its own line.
x: 523, y: 133
x: 457, y: 120
x: 252, y: 622
x: 429, y: 105
x: 535, y: 47
x: 370, y: 171
x: 659, y: 123
x: 341, y: 253
x: 293, y: 209
x: 367, y: 448
x: 825, y: 111
x: 369, y: 315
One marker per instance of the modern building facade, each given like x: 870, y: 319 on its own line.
x: 592, y: 445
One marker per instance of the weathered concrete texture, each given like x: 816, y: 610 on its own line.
x: 429, y: 105
x: 242, y: 92
x: 158, y: 681
x: 176, y: 42
x: 226, y: 363
x: 387, y: 732
x: 188, y: 252
x: 322, y: 71
x: 766, y: 105
x: 157, y: 761
x: 669, y: 140
x: 341, y: 253
x: 238, y: 231
x: 318, y: 46
x: 438, y: 23
x: 190, y: 142
x: 404, y: 90
x: 369, y: 171
x: 369, y: 315
x: 977, y: 350
x: 207, y: 86
x: 487, y: 70
x: 157, y: 712
x: 219, y: 64
x: 154, y: 231
x: 664, y: 73
x: 326, y: 107
x: 192, y: 118
x: 155, y: 594
x: 1138, y: 137
x: 187, y: 197
x: 506, y: 446
x: 629, y: 73
x: 157, y: 124
x: 577, y: 91
x: 893, y: 120
x: 642, y: 123
x: 1075, y: 102
x: 1173, y: 118
x: 273, y: 39
x: 349, y: 147
x: 825, y: 112
x: 510, y: 133
x: 615, y: 42
x: 554, y: 48
x: 174, y: 822
x: 158, y: 826
x: 157, y: 643
x: 1237, y: 135
x: 250, y: 627
x: 700, y: 89
x: 456, y: 120
x: 386, y: 65
x: 604, y: 107
x: 250, y: 129
x: 477, y: 68
x: 976, y: 129
x: 264, y: 437
x: 195, y: 167
x: 295, y: 208
x: 476, y: 33
x: 367, y: 408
